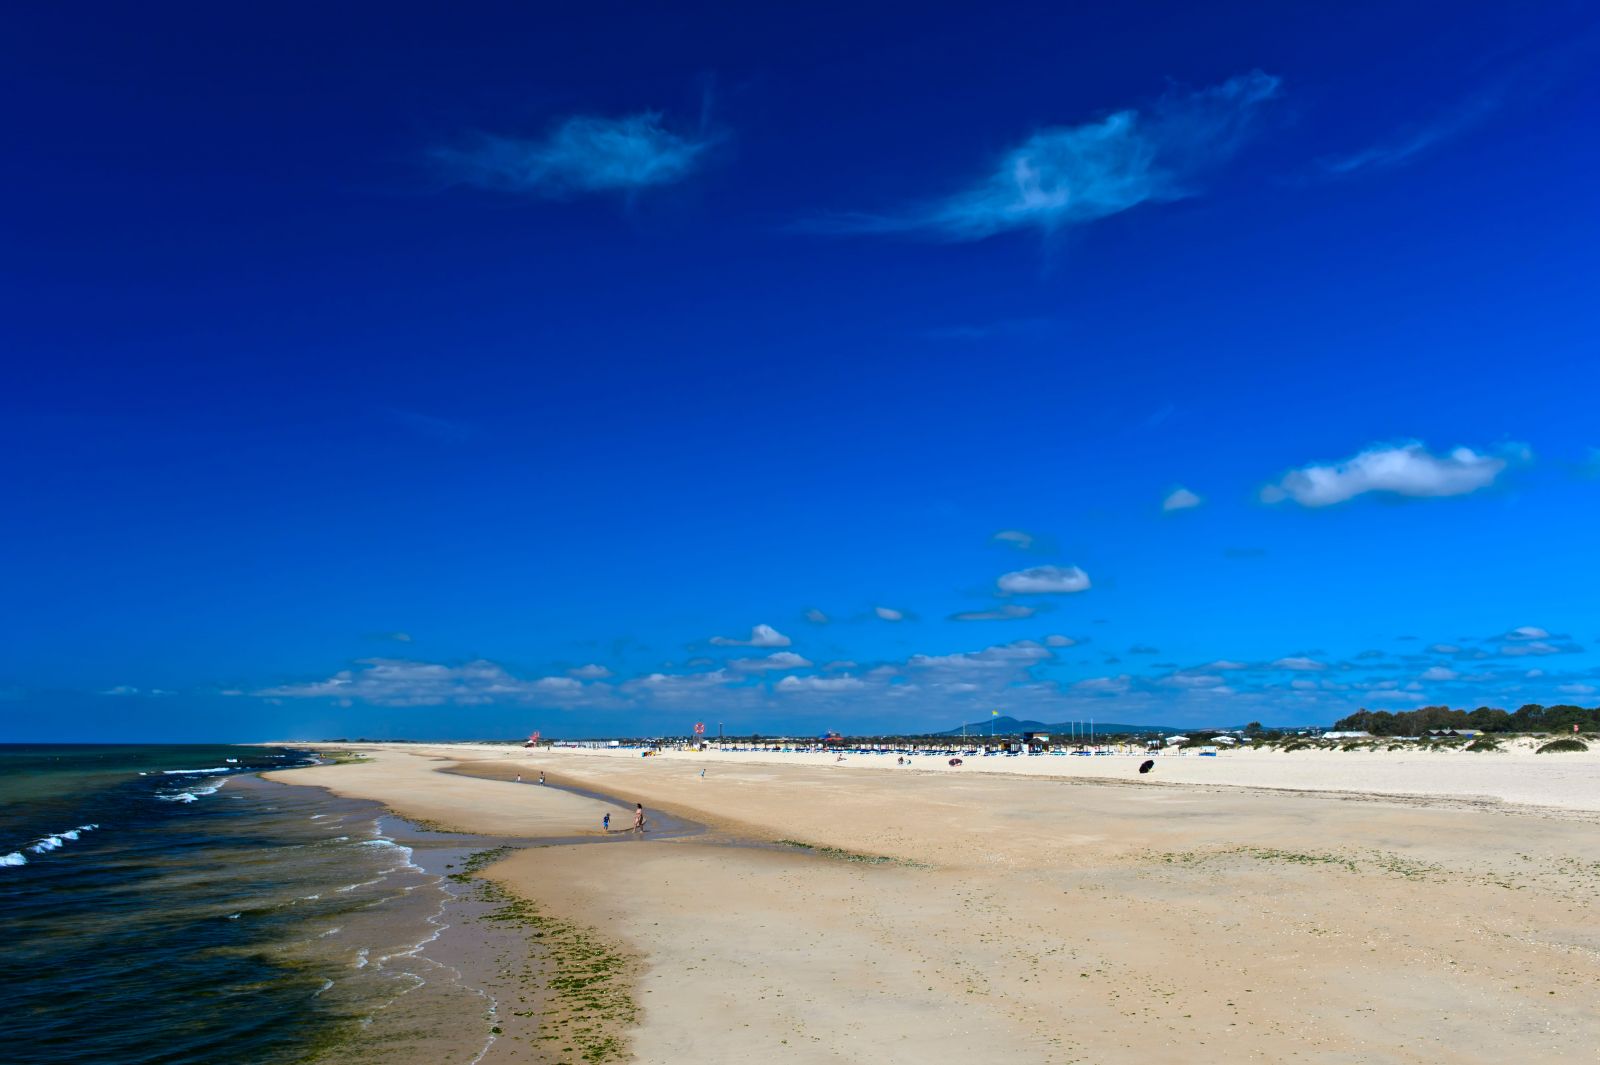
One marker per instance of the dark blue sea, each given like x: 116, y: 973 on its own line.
x: 165, y: 904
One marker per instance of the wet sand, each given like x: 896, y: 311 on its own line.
x: 999, y: 916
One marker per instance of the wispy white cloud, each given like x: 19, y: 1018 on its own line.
x: 1406, y: 144
x: 1299, y: 663
x: 1180, y: 499
x: 1406, y: 469
x: 816, y: 617
x: 1056, y: 640
x: 1051, y: 580
x: 1004, y: 612
x: 1015, y: 537
x: 592, y: 671
x: 1011, y: 655
x: 582, y: 154
x: 1070, y: 175
x: 889, y: 613
x: 760, y: 636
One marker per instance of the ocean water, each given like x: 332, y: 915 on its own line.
x: 164, y: 904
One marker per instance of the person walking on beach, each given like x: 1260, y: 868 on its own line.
x: 638, y: 817
x: 605, y: 822
x: 541, y: 776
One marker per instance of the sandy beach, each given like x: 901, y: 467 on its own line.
x: 1318, y: 907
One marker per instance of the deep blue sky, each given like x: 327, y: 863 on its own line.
x: 378, y: 372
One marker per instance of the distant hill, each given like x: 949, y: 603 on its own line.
x: 1008, y: 726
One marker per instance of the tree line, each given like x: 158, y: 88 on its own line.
x: 1528, y: 718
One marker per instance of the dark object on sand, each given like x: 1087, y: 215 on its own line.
x: 955, y: 761
x: 1147, y: 765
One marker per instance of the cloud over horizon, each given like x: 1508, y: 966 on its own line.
x: 1070, y: 175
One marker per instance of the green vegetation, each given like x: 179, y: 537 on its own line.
x: 1484, y: 743
x: 477, y: 860
x: 1529, y: 718
x: 585, y: 987
x: 342, y: 757
x: 1562, y: 746
x: 850, y: 856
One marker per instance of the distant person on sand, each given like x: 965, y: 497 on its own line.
x: 519, y: 778
x: 638, y: 817
x: 605, y: 822
x: 541, y: 776
x: 702, y: 773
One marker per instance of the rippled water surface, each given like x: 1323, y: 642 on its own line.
x: 163, y: 904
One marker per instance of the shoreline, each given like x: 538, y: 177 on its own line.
x: 538, y: 973
x: 941, y: 917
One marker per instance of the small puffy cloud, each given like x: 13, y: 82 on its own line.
x: 1071, y: 175
x: 816, y: 617
x: 1180, y: 499
x: 583, y: 154
x: 844, y: 683
x: 1004, y: 612
x: 1015, y: 537
x: 1224, y: 664
x: 1406, y: 469
x: 1444, y: 649
x: 1048, y: 580
x: 1577, y: 689
x: 1439, y: 673
x: 1059, y: 641
x: 592, y: 671
x: 1299, y: 663
x: 888, y: 613
x: 1527, y: 632
x: 777, y: 661
x: 760, y: 636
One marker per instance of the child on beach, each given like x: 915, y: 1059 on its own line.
x: 638, y: 817
x: 605, y: 822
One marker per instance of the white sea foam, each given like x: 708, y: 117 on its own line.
x: 231, y: 761
x: 185, y: 772
x: 182, y: 796
x: 14, y: 858
x: 53, y: 841
x: 361, y: 958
